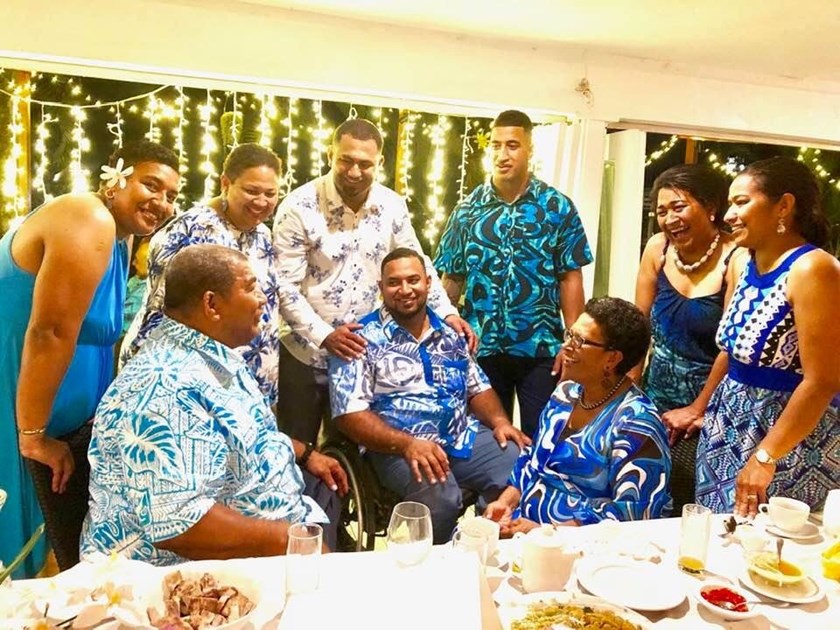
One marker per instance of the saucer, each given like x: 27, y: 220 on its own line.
x: 806, y: 532
x: 803, y: 592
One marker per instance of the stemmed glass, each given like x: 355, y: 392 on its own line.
x: 303, y: 557
x: 410, y: 533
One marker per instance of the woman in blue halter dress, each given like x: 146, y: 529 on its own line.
x: 771, y: 428
x: 62, y: 280
x: 682, y: 286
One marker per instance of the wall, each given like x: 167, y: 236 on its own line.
x: 319, y: 55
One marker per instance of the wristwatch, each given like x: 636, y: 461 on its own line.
x: 763, y: 457
x: 307, y: 453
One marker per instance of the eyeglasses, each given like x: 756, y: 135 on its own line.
x: 575, y: 341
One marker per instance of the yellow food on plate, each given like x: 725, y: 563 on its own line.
x: 831, y: 562
x: 768, y: 567
x: 546, y: 615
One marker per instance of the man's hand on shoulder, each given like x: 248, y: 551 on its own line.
x: 428, y: 459
x: 463, y: 328
x: 344, y: 343
x: 329, y: 471
x: 507, y: 431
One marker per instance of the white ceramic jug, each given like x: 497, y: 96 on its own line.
x: 547, y: 560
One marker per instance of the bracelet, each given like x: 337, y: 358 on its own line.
x: 40, y: 431
x: 307, y: 453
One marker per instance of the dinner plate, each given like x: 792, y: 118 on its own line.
x: 804, y: 592
x: 636, y: 585
x: 806, y: 532
x: 517, y: 609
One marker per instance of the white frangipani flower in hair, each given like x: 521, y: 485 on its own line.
x: 113, y: 175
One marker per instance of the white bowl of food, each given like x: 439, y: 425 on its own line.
x: 767, y: 567
x: 725, y: 600
x: 191, y: 597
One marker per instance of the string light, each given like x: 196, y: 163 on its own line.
x: 234, y: 124
x: 730, y: 167
x: 319, y: 134
x: 268, y: 113
x: 13, y: 167
x: 437, y: 132
x: 41, y: 162
x: 819, y: 170
x: 209, y: 146
x: 151, y: 112
x: 79, y: 175
x: 291, y: 144
x: 406, y: 155
x: 180, y: 148
x: 462, y: 169
x: 664, y: 147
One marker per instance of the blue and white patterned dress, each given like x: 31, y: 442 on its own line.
x: 759, y: 333
x: 184, y: 427
x: 202, y: 224
x: 616, y: 467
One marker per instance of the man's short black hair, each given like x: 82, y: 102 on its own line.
x: 513, y: 118
x: 400, y: 252
x: 144, y: 151
x: 360, y: 129
x: 197, y: 269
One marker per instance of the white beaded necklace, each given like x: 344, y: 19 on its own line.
x: 675, y: 256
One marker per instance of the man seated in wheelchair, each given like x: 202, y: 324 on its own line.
x: 420, y: 405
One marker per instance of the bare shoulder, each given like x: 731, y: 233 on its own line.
x: 79, y: 212
x: 654, y: 249
x: 817, y: 266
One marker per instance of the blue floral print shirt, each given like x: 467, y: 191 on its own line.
x: 202, y: 224
x: 420, y: 386
x: 511, y: 256
x: 184, y: 427
x: 616, y: 467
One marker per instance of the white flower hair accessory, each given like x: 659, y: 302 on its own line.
x: 114, y: 175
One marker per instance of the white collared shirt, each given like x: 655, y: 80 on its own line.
x: 329, y: 259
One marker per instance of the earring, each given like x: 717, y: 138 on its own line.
x: 712, y: 218
x: 781, y: 229
x: 109, y: 199
x: 224, y: 207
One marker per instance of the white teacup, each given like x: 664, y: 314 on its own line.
x: 787, y: 514
x: 478, y: 525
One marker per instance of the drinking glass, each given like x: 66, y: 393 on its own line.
x: 303, y: 557
x: 410, y: 533
x: 694, y: 537
x: 831, y: 514
x: 471, y: 542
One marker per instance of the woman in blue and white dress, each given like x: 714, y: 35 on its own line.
x: 771, y: 427
x: 601, y: 450
x: 250, y: 188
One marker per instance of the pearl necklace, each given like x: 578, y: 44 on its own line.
x: 615, y: 388
x: 675, y: 256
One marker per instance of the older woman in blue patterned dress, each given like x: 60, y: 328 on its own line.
x: 771, y: 427
x: 601, y: 451
x: 233, y: 219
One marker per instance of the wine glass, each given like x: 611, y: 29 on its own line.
x: 303, y: 557
x: 410, y: 533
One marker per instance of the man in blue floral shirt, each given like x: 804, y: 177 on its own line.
x: 514, y: 248
x: 417, y: 401
x: 186, y: 459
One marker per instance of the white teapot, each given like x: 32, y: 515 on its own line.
x: 547, y: 559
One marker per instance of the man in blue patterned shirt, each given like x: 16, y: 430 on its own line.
x: 186, y: 459
x: 514, y: 248
x: 419, y: 403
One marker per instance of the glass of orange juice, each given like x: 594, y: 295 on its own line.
x: 694, y: 537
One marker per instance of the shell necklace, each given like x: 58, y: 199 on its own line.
x: 675, y: 256
x: 609, y: 395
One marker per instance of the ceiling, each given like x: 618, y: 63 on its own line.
x: 794, y: 40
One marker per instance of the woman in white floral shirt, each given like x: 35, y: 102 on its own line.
x: 250, y: 187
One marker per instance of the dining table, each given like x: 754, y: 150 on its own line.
x: 452, y: 589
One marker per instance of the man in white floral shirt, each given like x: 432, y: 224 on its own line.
x: 331, y: 236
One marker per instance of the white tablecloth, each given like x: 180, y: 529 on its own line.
x: 369, y: 590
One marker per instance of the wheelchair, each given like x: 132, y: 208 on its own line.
x: 367, y: 506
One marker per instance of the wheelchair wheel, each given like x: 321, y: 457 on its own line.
x: 357, y: 527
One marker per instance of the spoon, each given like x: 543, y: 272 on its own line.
x: 751, y: 602
x: 779, y: 544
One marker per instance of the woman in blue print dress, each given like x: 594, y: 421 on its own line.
x: 601, y: 451
x: 63, y: 273
x: 683, y: 285
x: 771, y: 428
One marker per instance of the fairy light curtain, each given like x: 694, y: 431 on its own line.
x: 66, y: 127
